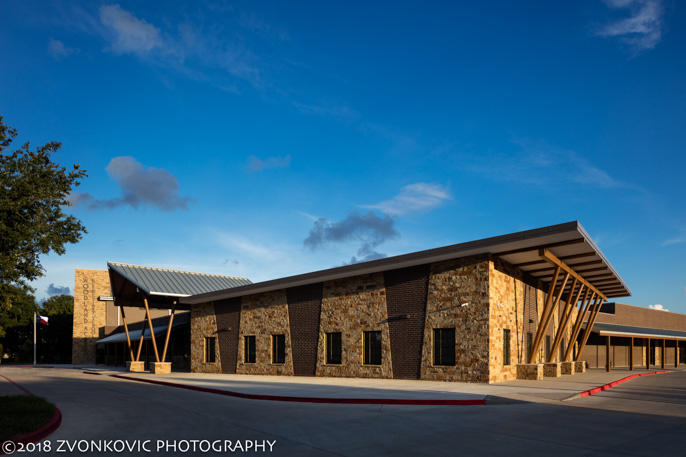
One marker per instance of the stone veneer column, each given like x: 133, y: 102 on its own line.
x: 90, y: 315
x: 454, y: 283
x: 203, y: 324
x: 352, y: 306
x: 264, y: 315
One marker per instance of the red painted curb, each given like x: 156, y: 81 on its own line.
x: 596, y: 390
x: 347, y: 401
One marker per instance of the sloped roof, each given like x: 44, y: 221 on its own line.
x: 568, y: 241
x: 174, y: 283
x: 604, y: 329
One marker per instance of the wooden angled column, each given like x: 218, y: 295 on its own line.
x: 579, y: 322
x: 564, y: 319
x: 546, y: 314
x: 152, y: 332
x: 126, y: 329
x: 166, y: 341
x: 589, y: 325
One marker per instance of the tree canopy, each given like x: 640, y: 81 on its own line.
x: 33, y: 192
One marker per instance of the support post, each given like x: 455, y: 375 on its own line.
x: 607, y: 354
x: 631, y: 354
x: 548, y: 311
x: 583, y: 309
x: 564, y: 319
x: 126, y: 329
x: 663, y: 353
x: 589, y: 327
x: 676, y: 353
x: 152, y: 332
x: 140, y: 342
x: 647, y: 353
x: 166, y: 341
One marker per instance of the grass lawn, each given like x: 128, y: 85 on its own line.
x: 22, y: 414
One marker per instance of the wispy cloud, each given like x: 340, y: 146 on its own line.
x: 678, y: 239
x: 129, y: 34
x: 255, y: 164
x: 413, y: 198
x: 658, y: 307
x: 59, y: 51
x: 541, y: 164
x: 642, y: 29
x: 57, y: 290
x: 139, y: 185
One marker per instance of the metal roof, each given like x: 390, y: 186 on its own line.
x: 174, y: 283
x: 568, y: 241
x: 642, y: 332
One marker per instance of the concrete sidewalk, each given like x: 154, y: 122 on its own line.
x: 549, y: 390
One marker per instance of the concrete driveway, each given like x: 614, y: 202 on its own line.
x: 636, y: 418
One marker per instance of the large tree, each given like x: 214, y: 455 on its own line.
x: 33, y: 193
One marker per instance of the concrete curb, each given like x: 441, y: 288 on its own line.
x: 347, y: 401
x: 595, y: 390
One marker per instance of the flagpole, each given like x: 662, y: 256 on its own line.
x: 34, y: 338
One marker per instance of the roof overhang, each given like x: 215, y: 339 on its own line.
x: 569, y: 242
x: 604, y: 329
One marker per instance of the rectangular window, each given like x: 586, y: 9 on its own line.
x: 333, y: 348
x: 547, y: 348
x: 562, y: 350
x: 249, y: 354
x: 278, y: 348
x: 506, y: 346
x: 372, y: 348
x: 210, y: 349
x: 444, y: 346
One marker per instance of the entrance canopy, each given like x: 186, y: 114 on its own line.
x: 163, y: 287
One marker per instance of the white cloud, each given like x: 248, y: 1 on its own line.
x: 59, y: 51
x: 659, y: 307
x: 130, y: 34
x: 642, y: 29
x: 255, y: 164
x: 413, y: 198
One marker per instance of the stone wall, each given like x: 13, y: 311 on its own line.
x: 458, y: 298
x: 352, y: 306
x: 90, y: 315
x: 264, y: 315
x: 203, y: 324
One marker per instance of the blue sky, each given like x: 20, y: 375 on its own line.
x: 265, y: 139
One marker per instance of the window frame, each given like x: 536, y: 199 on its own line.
x: 210, y: 350
x: 371, y: 342
x: 278, y: 350
x: 332, y: 345
x: 249, y: 340
x: 440, y: 359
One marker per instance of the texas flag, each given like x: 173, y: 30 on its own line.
x: 42, y: 320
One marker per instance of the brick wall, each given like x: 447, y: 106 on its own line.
x: 406, y: 290
x: 228, y: 329
x: 304, y: 308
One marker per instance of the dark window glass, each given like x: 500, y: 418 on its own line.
x: 444, y: 346
x: 372, y: 348
x: 506, y: 346
x: 529, y: 344
x: 333, y: 348
x: 209, y: 350
x: 249, y: 349
x: 547, y: 348
x: 278, y: 348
